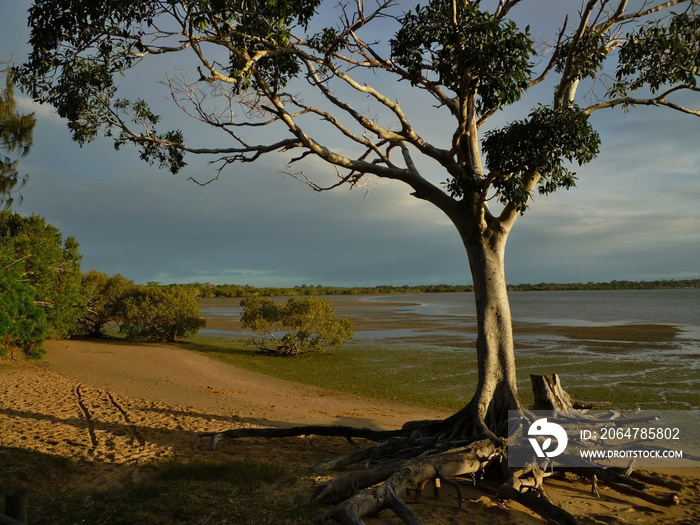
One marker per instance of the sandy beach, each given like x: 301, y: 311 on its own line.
x: 116, y: 407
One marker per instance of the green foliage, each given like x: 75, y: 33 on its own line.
x: 587, y: 54
x: 261, y: 316
x: 16, y: 132
x: 158, y: 313
x: 682, y: 284
x: 315, y: 325
x: 539, y: 144
x: 151, y: 312
x: 328, y: 41
x: 22, y: 323
x: 660, y: 55
x: 312, y: 322
x: 61, y: 31
x: 103, y: 294
x: 470, y: 50
x: 236, y: 290
x: 92, y: 42
x: 171, y: 156
x: 41, y: 281
x: 256, y: 27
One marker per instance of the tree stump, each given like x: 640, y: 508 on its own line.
x: 549, y: 395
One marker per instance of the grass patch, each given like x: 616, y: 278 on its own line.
x: 445, y: 379
x: 434, y: 379
x: 24, y: 469
x: 245, y: 475
x: 186, y: 491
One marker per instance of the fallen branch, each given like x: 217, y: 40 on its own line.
x: 665, y: 500
x: 319, y: 430
x: 653, y: 480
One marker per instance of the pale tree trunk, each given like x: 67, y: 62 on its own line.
x: 496, y: 390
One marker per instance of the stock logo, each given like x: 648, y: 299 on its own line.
x: 542, y: 427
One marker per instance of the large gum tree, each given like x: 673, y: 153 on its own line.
x: 325, y: 88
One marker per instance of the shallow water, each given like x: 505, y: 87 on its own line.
x: 640, y: 346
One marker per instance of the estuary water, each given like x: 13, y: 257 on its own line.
x: 534, y: 311
x: 571, y: 308
x: 398, y: 316
x: 640, y: 347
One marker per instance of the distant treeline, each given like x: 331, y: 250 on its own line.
x: 612, y: 285
x: 235, y: 290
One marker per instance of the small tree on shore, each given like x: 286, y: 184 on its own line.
x: 311, y: 324
x: 151, y: 312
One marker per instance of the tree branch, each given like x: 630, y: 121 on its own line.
x: 645, y: 12
x: 567, y: 86
x: 655, y: 101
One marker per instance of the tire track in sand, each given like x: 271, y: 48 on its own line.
x: 125, y: 416
x: 106, y: 420
x: 88, y: 419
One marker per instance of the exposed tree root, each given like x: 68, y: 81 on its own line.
x: 407, y: 476
x: 626, y: 485
x: 457, y: 450
x: 538, y: 504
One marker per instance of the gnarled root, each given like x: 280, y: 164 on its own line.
x: 626, y: 485
x: 526, y: 486
x: 406, y: 476
x: 404, y: 461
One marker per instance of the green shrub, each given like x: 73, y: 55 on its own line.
x: 40, y: 283
x: 311, y: 325
x: 158, y: 313
x: 22, y: 323
x: 103, y: 294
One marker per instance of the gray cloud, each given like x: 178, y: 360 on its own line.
x: 634, y: 214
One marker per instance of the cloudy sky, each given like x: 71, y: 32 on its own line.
x: 634, y: 215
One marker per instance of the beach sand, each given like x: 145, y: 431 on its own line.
x: 117, y: 407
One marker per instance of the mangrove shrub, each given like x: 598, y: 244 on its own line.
x: 158, y: 313
x: 310, y: 325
